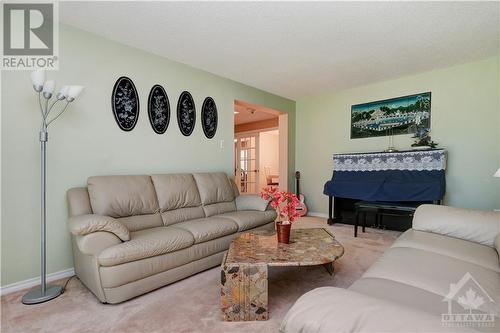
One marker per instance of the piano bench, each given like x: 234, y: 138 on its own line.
x: 381, y: 208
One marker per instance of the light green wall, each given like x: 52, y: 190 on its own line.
x: 465, y: 120
x: 86, y: 140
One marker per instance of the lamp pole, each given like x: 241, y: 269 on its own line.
x: 44, y: 136
x: 46, y: 292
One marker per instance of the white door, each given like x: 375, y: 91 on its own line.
x: 247, y: 162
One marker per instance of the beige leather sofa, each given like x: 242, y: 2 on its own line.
x: 133, y: 234
x: 408, y: 287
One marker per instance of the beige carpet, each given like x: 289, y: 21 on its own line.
x: 192, y: 305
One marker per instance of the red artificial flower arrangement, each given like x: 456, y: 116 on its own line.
x: 283, y: 202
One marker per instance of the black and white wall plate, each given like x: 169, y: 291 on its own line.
x: 209, y: 117
x: 158, y: 109
x: 186, y: 113
x: 125, y: 103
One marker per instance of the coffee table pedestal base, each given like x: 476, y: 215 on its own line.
x: 244, y: 291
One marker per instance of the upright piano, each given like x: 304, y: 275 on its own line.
x: 402, y: 176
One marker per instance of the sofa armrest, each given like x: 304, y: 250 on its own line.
x: 85, y: 224
x: 330, y: 309
x: 251, y: 202
x: 94, y: 243
x: 467, y: 224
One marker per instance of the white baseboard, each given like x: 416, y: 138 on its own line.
x: 29, y: 283
x: 317, y: 214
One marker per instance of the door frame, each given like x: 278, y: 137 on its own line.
x: 283, y: 151
x: 283, y: 124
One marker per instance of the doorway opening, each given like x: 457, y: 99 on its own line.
x: 260, y: 147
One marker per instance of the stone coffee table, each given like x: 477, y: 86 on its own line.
x: 244, y: 267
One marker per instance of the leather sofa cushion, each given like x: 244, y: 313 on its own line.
x: 146, y: 243
x: 208, y: 228
x: 219, y: 208
x: 402, y: 293
x: 170, y: 217
x: 122, y: 196
x: 139, y: 222
x: 114, y: 276
x: 473, y: 225
x: 431, y: 271
x: 118, y: 275
x: 205, y: 249
x: 329, y: 309
x: 251, y: 202
x: 136, y: 288
x: 453, y: 247
x: 250, y: 219
x: 176, y: 191
x: 214, y: 187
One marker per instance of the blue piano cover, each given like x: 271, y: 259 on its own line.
x: 388, y: 185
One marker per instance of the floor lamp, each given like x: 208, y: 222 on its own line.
x: 68, y: 94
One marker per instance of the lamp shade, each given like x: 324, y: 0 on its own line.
x: 74, y: 92
x: 64, y: 91
x: 497, y: 174
x: 38, y: 79
x: 48, y: 87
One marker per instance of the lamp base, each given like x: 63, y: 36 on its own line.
x: 36, y: 296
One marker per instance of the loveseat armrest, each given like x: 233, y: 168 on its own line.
x: 330, y: 309
x: 86, y: 224
x: 472, y: 225
x: 251, y: 202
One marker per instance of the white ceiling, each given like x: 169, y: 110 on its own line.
x: 298, y: 49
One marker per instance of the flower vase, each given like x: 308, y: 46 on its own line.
x: 283, y: 231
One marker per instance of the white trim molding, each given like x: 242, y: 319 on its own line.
x: 29, y: 283
x: 317, y: 214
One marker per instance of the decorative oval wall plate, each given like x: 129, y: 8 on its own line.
x: 186, y: 113
x: 125, y: 103
x: 158, y: 109
x: 209, y: 117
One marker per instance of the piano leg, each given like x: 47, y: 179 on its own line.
x: 337, y: 212
x: 364, y: 221
x: 334, y: 212
x: 356, y: 222
x: 330, y: 210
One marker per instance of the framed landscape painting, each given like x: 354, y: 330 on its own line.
x: 400, y: 115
